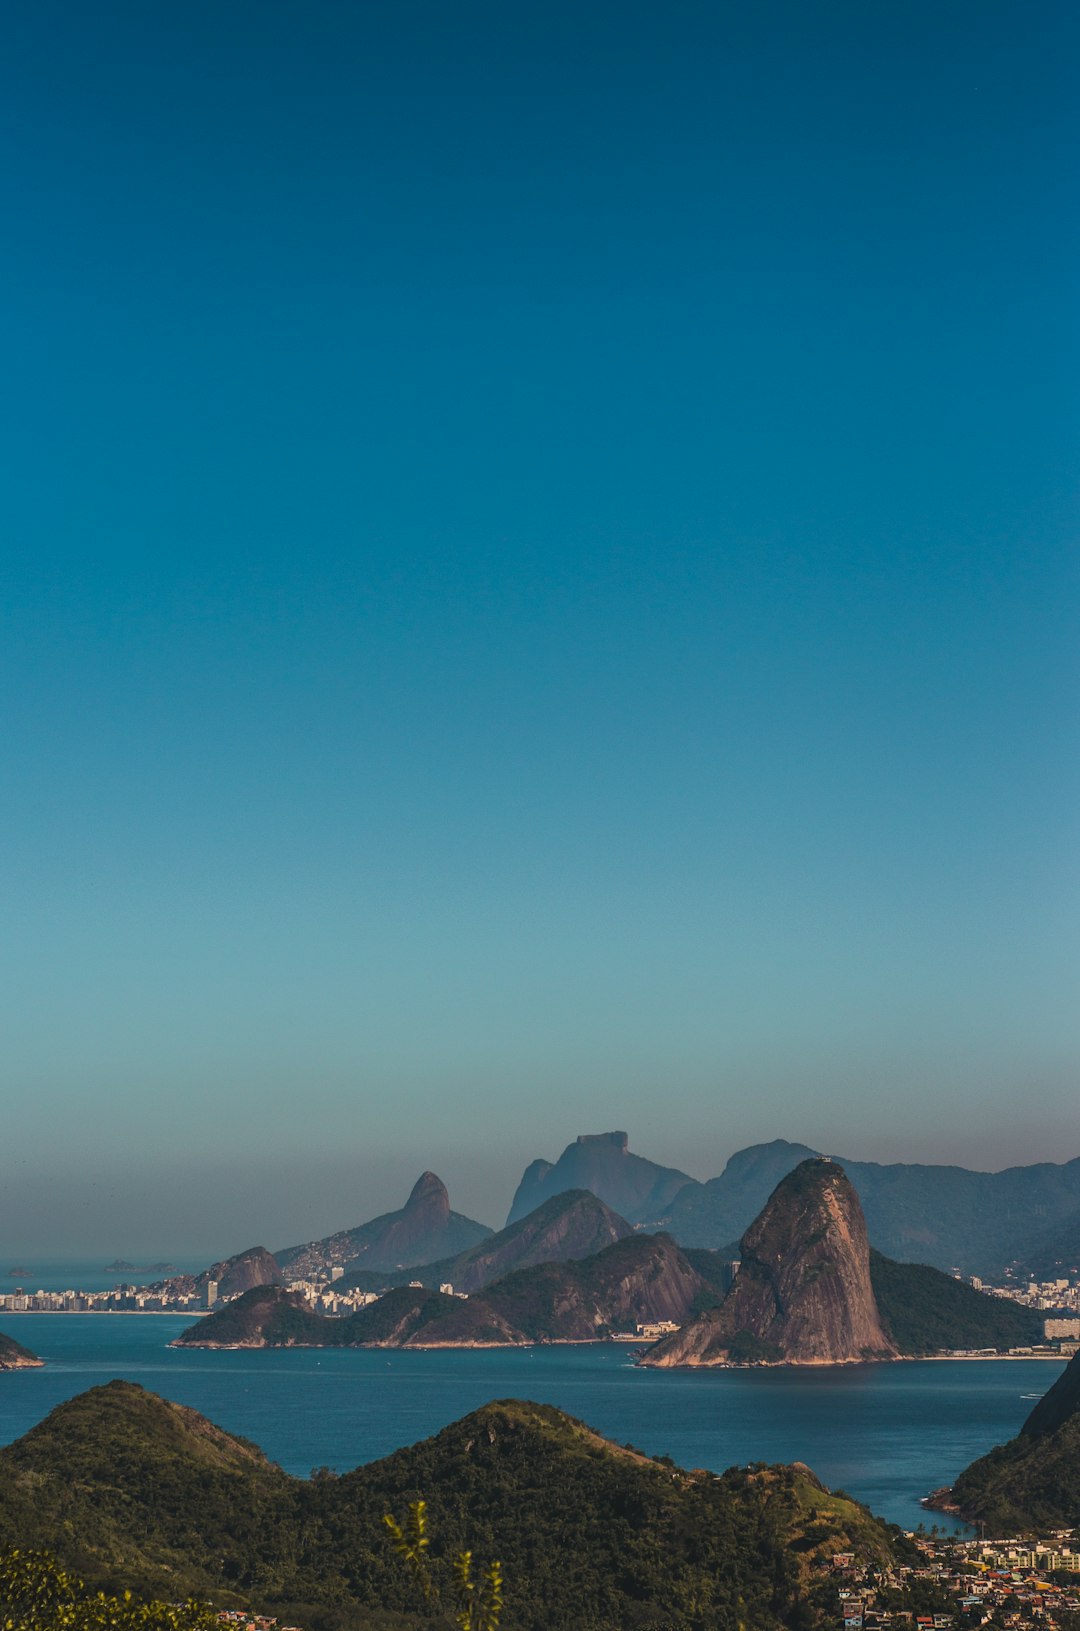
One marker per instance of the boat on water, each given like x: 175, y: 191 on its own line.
x: 19, y: 1273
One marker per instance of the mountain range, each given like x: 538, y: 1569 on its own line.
x: 1024, y: 1221
x: 980, y: 1223
x: 568, y: 1226
x: 639, y: 1279
x: 809, y: 1291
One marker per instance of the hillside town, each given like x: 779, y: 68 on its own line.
x: 1029, y: 1585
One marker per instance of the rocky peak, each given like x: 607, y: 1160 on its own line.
x: 429, y: 1195
x: 803, y: 1294
x: 618, y: 1141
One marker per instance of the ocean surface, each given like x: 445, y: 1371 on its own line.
x: 87, y: 1274
x: 885, y: 1433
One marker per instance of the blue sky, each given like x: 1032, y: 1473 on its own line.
x: 540, y: 594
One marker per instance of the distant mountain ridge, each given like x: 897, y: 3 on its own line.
x: 422, y: 1230
x: 570, y: 1225
x: 638, y: 1189
x: 947, y: 1216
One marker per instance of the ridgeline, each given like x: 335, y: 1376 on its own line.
x: 124, y: 1486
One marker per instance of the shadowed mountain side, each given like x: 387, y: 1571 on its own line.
x: 925, y: 1311
x: 601, y: 1162
x: 1031, y: 1484
x: 720, y: 1211
x: 803, y: 1294
x: 422, y: 1230
x: 1053, y: 1252
x: 572, y: 1225
x: 638, y: 1280
x: 949, y: 1217
x: 13, y: 1356
x: 118, y: 1482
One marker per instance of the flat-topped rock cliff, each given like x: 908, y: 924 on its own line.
x: 636, y: 1188
x: 803, y: 1294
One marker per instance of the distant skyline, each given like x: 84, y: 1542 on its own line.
x: 540, y: 594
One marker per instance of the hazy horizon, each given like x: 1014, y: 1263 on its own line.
x: 154, y: 1213
x: 540, y: 594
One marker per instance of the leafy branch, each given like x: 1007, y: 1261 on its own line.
x: 477, y: 1601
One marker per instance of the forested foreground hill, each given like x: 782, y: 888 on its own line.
x: 130, y: 1489
x: 1032, y: 1483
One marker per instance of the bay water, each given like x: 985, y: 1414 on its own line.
x: 886, y: 1433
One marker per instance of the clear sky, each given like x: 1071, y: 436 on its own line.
x: 539, y: 594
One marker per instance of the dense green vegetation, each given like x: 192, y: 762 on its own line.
x: 715, y: 1271
x: 36, y: 1594
x: 132, y: 1491
x: 1032, y: 1483
x: 926, y: 1311
x: 1054, y: 1251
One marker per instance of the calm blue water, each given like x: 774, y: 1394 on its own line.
x: 885, y: 1433
x: 87, y: 1274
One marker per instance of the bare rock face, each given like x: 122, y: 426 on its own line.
x: 13, y: 1356
x: 803, y: 1294
x: 255, y: 1267
x: 424, y: 1229
x: 232, y: 1276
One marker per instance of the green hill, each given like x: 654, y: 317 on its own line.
x: 1032, y: 1483
x: 128, y: 1488
x: 926, y: 1311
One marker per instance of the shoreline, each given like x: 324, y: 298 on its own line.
x: 550, y: 1342
x: 172, y: 1313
